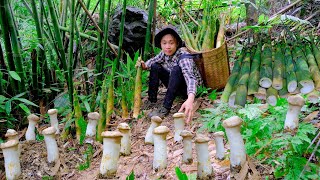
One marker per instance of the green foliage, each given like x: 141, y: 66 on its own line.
x: 87, y: 156
x: 131, y: 176
x: 180, y: 174
x: 266, y: 140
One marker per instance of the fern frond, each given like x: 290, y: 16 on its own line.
x: 290, y: 21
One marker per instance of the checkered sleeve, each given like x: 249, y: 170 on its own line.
x: 157, y: 59
x: 186, y: 65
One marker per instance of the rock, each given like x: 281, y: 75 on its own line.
x: 134, y: 30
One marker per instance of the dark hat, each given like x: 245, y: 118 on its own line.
x: 164, y: 31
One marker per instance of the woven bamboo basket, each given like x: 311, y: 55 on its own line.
x: 214, y: 66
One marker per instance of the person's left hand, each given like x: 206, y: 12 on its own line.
x: 187, y: 106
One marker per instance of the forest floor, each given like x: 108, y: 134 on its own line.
x: 72, y: 155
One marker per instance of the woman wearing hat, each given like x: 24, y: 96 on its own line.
x: 180, y: 75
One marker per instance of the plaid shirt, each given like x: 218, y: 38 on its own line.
x: 189, y: 69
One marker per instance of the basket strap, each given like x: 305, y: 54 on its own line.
x: 191, y: 56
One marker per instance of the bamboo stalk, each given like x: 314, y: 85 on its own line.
x: 242, y: 90
x: 88, y: 14
x: 86, y: 23
x: 15, y: 46
x: 102, y: 110
x: 232, y: 79
x: 106, y: 34
x: 278, y: 69
x: 124, y: 105
x: 100, y: 43
x: 261, y: 94
x: 272, y: 95
x: 292, y: 83
x: 70, y: 68
x: 60, y: 45
x: 266, y: 67
x: 77, y: 116
x: 7, y: 45
x: 303, y: 73
x: 253, y: 84
x: 313, y: 68
x: 110, y: 98
x: 123, y: 17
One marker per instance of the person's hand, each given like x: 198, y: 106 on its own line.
x: 187, y: 106
x: 141, y: 63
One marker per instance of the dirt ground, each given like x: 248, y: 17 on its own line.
x: 34, y: 161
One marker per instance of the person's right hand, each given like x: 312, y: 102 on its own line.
x: 141, y: 63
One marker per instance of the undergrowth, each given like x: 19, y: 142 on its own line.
x: 266, y: 141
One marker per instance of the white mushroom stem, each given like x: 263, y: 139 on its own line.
x: 218, y: 139
x: 93, y: 118
x: 155, y: 122
x: 292, y: 118
x: 111, y: 153
x: 187, y: 146
x: 33, y: 120
x: 237, y: 149
x: 179, y: 123
x: 51, y: 144
x: 124, y: 128
x: 204, y: 168
x: 53, y: 113
x: 160, y: 148
x: 11, y: 159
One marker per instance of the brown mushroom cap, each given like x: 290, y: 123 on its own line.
x: 179, y: 115
x: 52, y: 111
x: 123, y: 126
x: 111, y: 134
x: 49, y: 130
x: 9, y: 144
x: 156, y: 119
x: 296, y: 100
x: 219, y: 133
x: 33, y: 117
x: 186, y: 133
x: 94, y: 116
x: 202, y: 139
x: 232, y: 122
x: 161, y: 130
x: 11, y: 132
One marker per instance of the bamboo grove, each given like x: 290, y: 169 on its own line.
x: 57, y: 65
x: 269, y: 70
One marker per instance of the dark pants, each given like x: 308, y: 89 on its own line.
x: 174, y: 82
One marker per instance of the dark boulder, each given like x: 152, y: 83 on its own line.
x: 134, y: 29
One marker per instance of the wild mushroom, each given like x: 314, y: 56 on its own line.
x: 12, y: 134
x: 237, y: 149
x: 53, y: 119
x: 178, y: 119
x: 33, y: 120
x: 91, y: 127
x: 51, y: 144
x: 292, y: 118
x: 187, y: 146
x: 160, y: 147
x: 155, y: 122
x: 111, y: 153
x: 218, y: 139
x: 204, y: 167
x: 124, y: 128
x: 11, y: 159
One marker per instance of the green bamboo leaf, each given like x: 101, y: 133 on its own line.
x: 25, y: 101
x: 86, y: 104
x: 131, y: 176
x: 8, y: 107
x: 180, y: 174
x: 15, y: 75
x: 2, y: 99
x: 25, y: 108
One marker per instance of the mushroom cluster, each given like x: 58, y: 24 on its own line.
x: 51, y: 144
x: 125, y: 147
x: 33, y: 120
x: 204, y: 168
x: 179, y: 123
x: 53, y: 113
x: 11, y: 159
x: 160, y: 147
x: 292, y: 118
